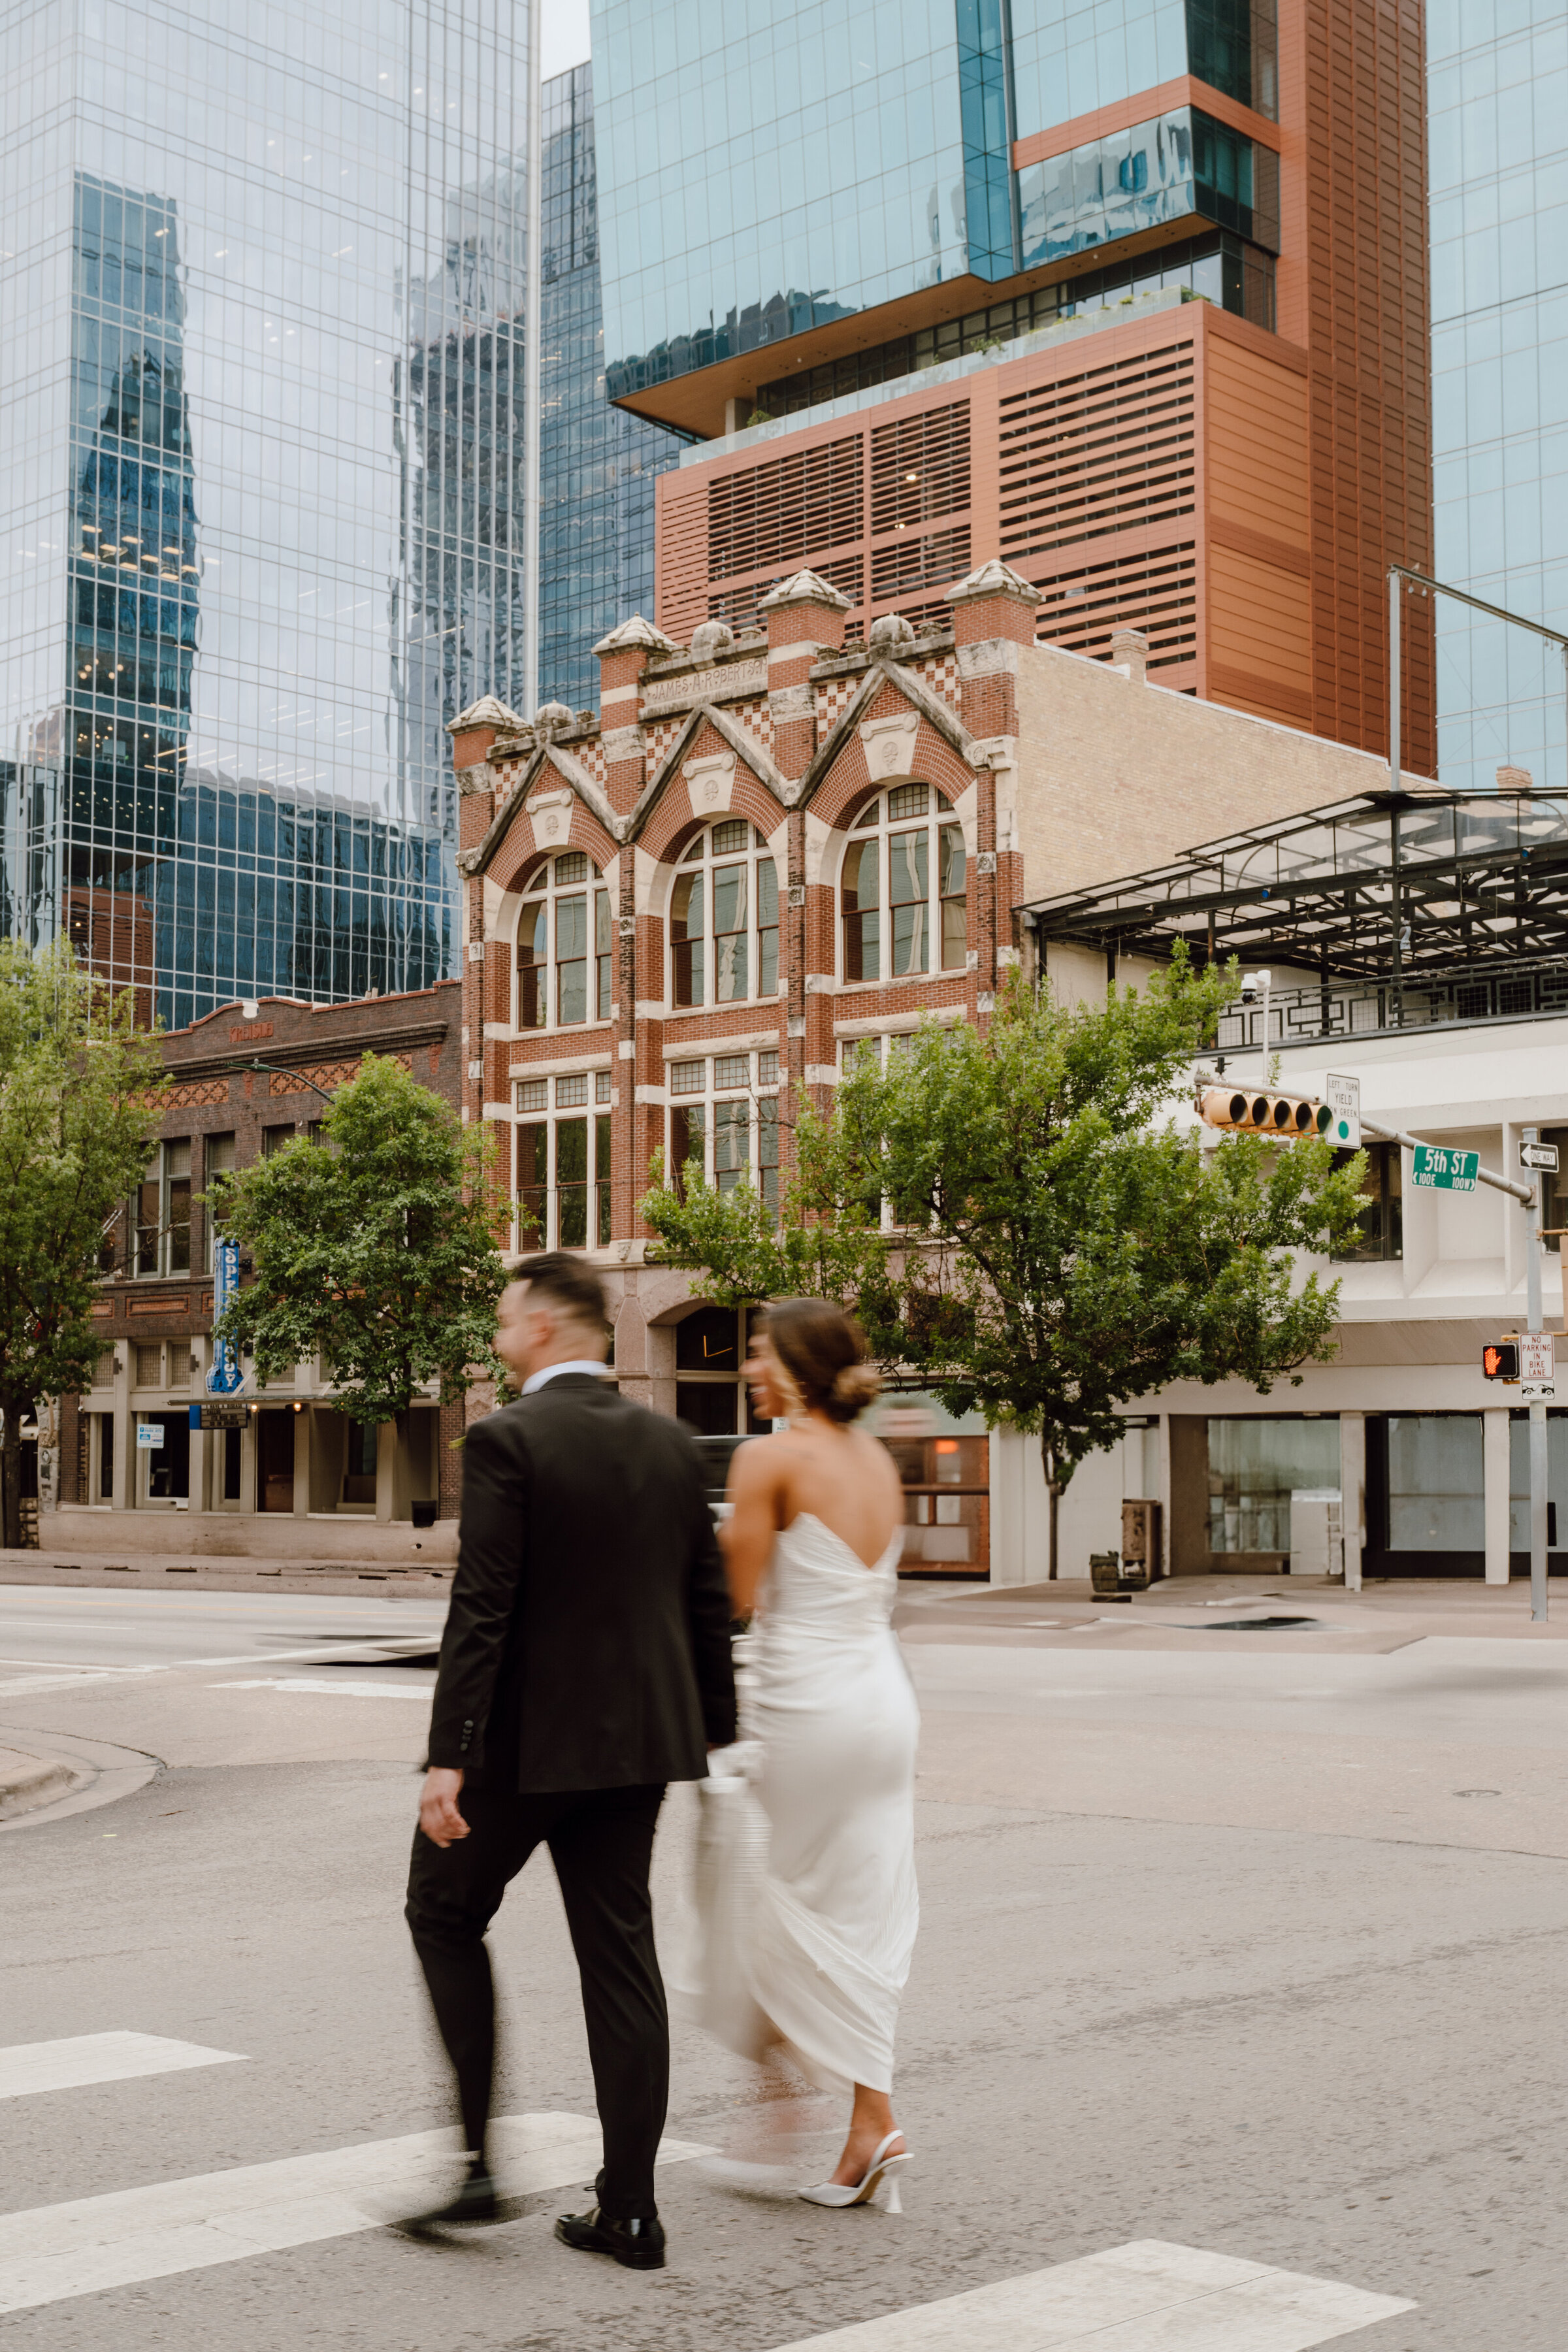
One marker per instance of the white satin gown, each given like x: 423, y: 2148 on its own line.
x: 808, y: 1907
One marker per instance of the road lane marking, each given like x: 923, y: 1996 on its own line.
x: 333, y: 1690
x: 86, y: 2058
x: 1145, y: 2297
x: 57, y: 2252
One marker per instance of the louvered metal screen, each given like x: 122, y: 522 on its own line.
x: 920, y: 468
x: 1105, y: 451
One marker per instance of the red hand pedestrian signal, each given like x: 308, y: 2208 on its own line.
x: 1500, y: 1363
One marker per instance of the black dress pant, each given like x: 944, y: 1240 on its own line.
x: 601, y: 1841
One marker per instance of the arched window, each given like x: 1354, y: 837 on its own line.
x: 565, y: 926
x: 724, y: 917
x: 904, y: 889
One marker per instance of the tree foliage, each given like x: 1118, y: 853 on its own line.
x: 374, y: 1248
x: 1058, y: 1244
x: 80, y: 1087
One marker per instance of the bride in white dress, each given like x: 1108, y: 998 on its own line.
x: 812, y: 1546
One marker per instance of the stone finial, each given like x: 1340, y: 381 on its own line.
x: 891, y: 636
x: 553, y: 718
x: 1129, y: 653
x: 996, y: 579
x: 709, y: 639
x: 1515, y: 780
x: 804, y: 588
x: 486, y: 712
x: 632, y: 634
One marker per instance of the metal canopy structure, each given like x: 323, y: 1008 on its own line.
x: 1391, y: 890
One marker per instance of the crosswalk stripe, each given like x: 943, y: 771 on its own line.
x: 57, y: 2251
x: 1145, y: 2297
x: 85, y: 2058
x: 335, y: 1690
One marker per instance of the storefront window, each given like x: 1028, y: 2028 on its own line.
x: 1254, y: 1465
x: 1435, y: 1486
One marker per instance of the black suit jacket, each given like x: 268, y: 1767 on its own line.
x: 587, y: 1644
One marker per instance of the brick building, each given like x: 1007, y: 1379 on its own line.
x: 777, y: 849
x: 244, y: 1081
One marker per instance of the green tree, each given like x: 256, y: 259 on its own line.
x: 80, y: 1087
x: 374, y: 1248
x: 1061, y: 1245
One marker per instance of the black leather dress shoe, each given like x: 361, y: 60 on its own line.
x: 473, y: 2205
x: 636, y: 2245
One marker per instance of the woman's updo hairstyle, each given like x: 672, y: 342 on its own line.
x: 823, y: 1353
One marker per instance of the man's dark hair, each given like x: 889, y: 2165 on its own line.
x: 569, y: 1283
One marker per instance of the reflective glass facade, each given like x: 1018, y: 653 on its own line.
x: 598, y: 465
x: 261, y: 478
x: 771, y: 167
x: 1497, y: 129
x: 1180, y: 165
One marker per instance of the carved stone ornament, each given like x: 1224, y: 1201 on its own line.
x: 634, y: 633
x: 892, y: 634
x: 626, y: 927
x: 787, y: 702
x: 486, y: 712
x: 622, y: 743
x: 710, y: 783
x: 552, y: 815
x: 709, y: 639
x: 985, y: 861
x: 891, y: 744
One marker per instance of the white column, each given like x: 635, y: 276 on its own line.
x: 1495, y: 1481
x: 123, y: 1491
x: 202, y: 1446
x: 304, y: 1420
x: 1352, y: 1492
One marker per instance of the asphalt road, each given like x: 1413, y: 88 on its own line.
x: 1256, y: 1954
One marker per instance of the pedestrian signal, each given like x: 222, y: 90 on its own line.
x: 1500, y: 1360
x: 1260, y: 1111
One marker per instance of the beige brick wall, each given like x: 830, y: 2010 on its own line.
x: 1115, y: 777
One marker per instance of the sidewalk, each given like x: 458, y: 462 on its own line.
x: 1227, y: 1612
x: 168, y: 1572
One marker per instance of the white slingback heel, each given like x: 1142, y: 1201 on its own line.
x: 877, y: 2185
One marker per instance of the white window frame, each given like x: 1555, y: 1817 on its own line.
x: 700, y: 856
x: 556, y: 1110
x: 938, y: 813
x: 549, y: 893
x: 754, y: 1089
x: 166, y: 1174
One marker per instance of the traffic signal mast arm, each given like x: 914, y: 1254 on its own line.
x: 1523, y: 1192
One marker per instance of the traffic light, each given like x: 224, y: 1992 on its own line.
x: 1500, y: 1360
x: 1260, y: 1111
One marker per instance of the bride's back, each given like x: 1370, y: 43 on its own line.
x: 843, y: 1479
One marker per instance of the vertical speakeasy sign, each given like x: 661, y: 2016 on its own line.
x: 225, y: 1376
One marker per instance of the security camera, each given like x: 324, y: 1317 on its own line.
x: 1253, y: 984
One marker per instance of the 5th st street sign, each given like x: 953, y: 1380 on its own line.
x: 1435, y: 1169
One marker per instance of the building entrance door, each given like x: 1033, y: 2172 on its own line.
x: 275, y: 1436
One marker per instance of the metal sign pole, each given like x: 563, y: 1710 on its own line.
x: 1537, y: 1413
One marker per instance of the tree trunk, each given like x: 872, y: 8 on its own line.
x: 11, y: 1474
x: 1053, y: 1496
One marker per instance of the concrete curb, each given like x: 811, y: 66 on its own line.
x: 26, y: 1781
x: 173, y: 1572
x: 84, y: 1774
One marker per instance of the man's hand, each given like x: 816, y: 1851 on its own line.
x: 438, y: 1815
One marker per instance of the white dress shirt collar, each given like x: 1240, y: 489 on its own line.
x: 553, y: 1372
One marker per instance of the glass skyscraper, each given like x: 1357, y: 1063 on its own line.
x: 808, y: 163
x: 262, y: 478
x: 598, y: 465
x: 1497, y: 101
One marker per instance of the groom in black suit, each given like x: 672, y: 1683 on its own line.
x: 585, y: 1664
